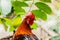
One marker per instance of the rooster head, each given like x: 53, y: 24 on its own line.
x: 30, y: 18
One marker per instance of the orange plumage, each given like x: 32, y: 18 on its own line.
x: 24, y: 31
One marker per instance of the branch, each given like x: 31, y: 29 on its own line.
x: 48, y: 31
x: 7, y: 38
x: 31, y: 6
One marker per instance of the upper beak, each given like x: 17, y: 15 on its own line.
x: 34, y: 19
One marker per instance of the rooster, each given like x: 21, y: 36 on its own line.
x: 24, y: 32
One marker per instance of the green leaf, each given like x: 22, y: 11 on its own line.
x: 55, y: 38
x: 12, y: 11
x: 40, y: 14
x: 16, y: 21
x: 0, y: 11
x: 19, y: 9
x: 26, y: 0
x: 8, y: 21
x: 0, y: 21
x: 46, y: 1
x: 12, y: 28
x: 34, y: 26
x: 44, y: 7
x: 3, y: 22
x: 0, y: 8
x: 19, y: 4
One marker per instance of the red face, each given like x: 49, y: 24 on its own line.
x: 30, y: 18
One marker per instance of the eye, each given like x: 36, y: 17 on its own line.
x: 31, y: 18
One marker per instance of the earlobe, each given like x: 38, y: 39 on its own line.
x: 27, y: 22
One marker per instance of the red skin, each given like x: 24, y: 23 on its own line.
x: 24, y: 31
x: 30, y: 18
x: 24, y: 27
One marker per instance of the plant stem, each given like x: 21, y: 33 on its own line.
x: 5, y: 26
x: 31, y: 5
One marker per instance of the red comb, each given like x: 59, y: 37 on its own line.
x: 30, y: 14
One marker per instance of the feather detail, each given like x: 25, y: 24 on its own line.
x: 24, y: 28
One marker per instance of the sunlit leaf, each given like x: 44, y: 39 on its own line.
x: 40, y: 14
x: 3, y: 22
x: 19, y: 4
x: 45, y: 0
x: 0, y: 9
x: 12, y: 28
x: 44, y: 7
x: 8, y: 21
x: 16, y: 21
x: 26, y: 0
x: 34, y: 26
x: 0, y: 21
x: 19, y: 9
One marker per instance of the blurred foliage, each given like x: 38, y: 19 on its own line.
x: 16, y: 21
x: 12, y: 11
x: 40, y: 14
x: 27, y: 0
x: 5, y: 25
x: 17, y: 9
x: 44, y: 7
x: 56, y: 27
x: 18, y: 6
x: 0, y: 10
x: 55, y: 38
x: 34, y: 26
x: 58, y: 4
x: 45, y: 0
x: 0, y: 21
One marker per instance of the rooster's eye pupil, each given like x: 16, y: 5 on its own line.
x: 30, y: 18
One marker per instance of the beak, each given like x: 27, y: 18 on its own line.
x: 34, y: 19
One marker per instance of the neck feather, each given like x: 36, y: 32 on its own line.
x: 24, y: 28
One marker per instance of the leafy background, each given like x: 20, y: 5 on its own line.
x: 17, y: 11
x: 13, y: 14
